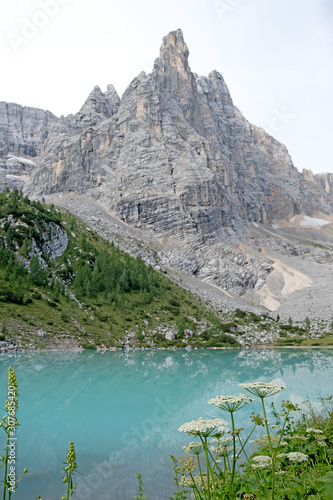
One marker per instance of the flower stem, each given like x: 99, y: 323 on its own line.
x: 68, y: 485
x: 214, y: 462
x: 195, y: 486
x: 231, y: 489
x: 283, y: 427
x: 245, y: 442
x: 200, y: 472
x: 270, y: 447
x: 207, y: 467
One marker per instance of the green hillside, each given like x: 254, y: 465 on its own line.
x: 92, y: 294
x: 63, y: 286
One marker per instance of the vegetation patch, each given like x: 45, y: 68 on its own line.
x: 92, y: 290
x: 58, y: 276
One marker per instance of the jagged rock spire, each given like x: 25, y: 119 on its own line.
x: 95, y: 105
x: 178, y: 152
x: 172, y: 68
x: 112, y: 98
x: 173, y: 45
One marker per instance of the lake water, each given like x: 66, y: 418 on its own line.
x: 123, y: 409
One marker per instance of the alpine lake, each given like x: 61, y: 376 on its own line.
x: 122, y: 410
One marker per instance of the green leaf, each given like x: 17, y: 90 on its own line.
x: 326, y: 484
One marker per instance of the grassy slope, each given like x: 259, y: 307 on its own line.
x: 98, y: 316
x: 93, y: 318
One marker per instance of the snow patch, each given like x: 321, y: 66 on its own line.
x: 12, y: 158
x: 312, y: 221
x: 305, y: 220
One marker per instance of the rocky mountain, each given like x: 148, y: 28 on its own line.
x: 177, y: 161
x: 176, y: 156
x: 23, y: 132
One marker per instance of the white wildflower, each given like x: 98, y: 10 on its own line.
x: 194, y: 481
x: 223, y: 440
x: 296, y: 456
x: 262, y: 389
x: 297, y: 437
x: 315, y: 431
x: 195, y: 447
x: 261, y: 462
x: 188, y: 481
x: 189, y: 464
x: 230, y: 403
x: 226, y: 440
x: 264, y: 441
x: 222, y: 445
x: 204, y: 427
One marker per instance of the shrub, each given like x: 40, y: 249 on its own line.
x: 240, y: 314
x: 88, y: 346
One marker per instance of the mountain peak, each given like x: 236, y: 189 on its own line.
x: 99, y: 106
x: 174, y: 43
x: 171, y: 67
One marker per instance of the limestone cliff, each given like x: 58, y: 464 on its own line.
x: 176, y: 159
x: 175, y: 156
x: 23, y: 131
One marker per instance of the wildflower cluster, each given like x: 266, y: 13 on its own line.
x: 314, y: 431
x: 204, y: 427
x: 195, y: 447
x: 280, y: 462
x: 261, y: 461
x: 262, y: 389
x: 69, y: 469
x: 230, y: 403
x: 71, y: 458
x: 189, y: 464
x: 296, y: 456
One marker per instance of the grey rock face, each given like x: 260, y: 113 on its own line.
x: 175, y: 156
x: 99, y: 106
x: 14, y: 172
x: 176, y: 159
x: 54, y: 240
x: 23, y: 131
x: 70, y: 151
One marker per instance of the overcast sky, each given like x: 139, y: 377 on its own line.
x: 276, y: 57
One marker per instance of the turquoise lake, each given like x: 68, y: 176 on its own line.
x: 123, y: 409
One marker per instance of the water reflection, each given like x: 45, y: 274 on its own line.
x: 123, y: 409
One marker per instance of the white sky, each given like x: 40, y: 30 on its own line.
x: 275, y: 55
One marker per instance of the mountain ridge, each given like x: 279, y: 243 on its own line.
x: 174, y: 158
x: 174, y: 104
